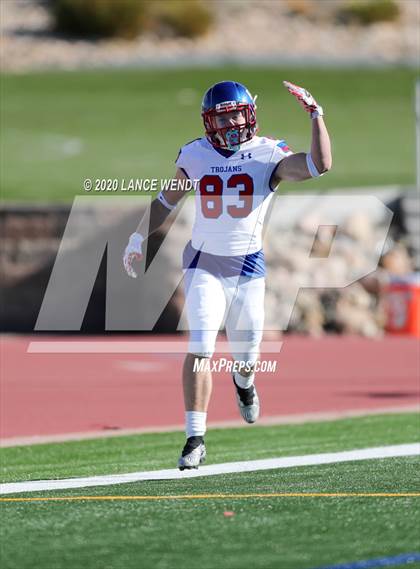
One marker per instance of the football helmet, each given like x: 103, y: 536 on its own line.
x: 227, y: 97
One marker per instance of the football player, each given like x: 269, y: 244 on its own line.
x: 238, y: 173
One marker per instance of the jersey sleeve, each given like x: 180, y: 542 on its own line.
x: 185, y: 159
x: 281, y: 150
x: 182, y: 161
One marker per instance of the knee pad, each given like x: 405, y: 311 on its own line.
x: 202, y: 343
x: 245, y: 345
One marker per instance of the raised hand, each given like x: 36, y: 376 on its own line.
x: 305, y: 99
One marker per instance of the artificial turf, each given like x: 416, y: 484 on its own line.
x: 262, y: 533
x: 160, y: 450
x: 217, y: 532
x: 59, y: 128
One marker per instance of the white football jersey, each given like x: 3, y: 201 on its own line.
x: 233, y: 193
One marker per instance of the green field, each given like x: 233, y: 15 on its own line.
x: 60, y: 128
x: 150, y: 528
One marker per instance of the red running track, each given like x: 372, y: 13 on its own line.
x: 48, y: 394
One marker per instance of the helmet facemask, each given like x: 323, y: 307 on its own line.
x: 230, y: 137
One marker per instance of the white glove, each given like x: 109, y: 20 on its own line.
x: 305, y: 99
x: 133, y: 252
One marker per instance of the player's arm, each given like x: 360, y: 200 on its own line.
x: 161, y: 207
x: 302, y: 166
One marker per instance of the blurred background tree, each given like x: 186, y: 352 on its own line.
x: 369, y: 12
x: 129, y: 18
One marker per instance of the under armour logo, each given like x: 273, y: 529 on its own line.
x: 243, y: 155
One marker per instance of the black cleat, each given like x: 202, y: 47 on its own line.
x: 248, y: 403
x: 193, y: 454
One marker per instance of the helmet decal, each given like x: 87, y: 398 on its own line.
x: 226, y: 106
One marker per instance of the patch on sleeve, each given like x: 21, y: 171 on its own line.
x: 284, y: 146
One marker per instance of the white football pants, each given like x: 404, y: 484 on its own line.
x: 235, y: 302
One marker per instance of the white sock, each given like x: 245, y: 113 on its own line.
x: 242, y: 381
x: 195, y: 423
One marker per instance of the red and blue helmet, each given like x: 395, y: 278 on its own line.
x: 226, y: 97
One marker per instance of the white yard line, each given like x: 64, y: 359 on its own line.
x: 292, y: 419
x: 215, y: 469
